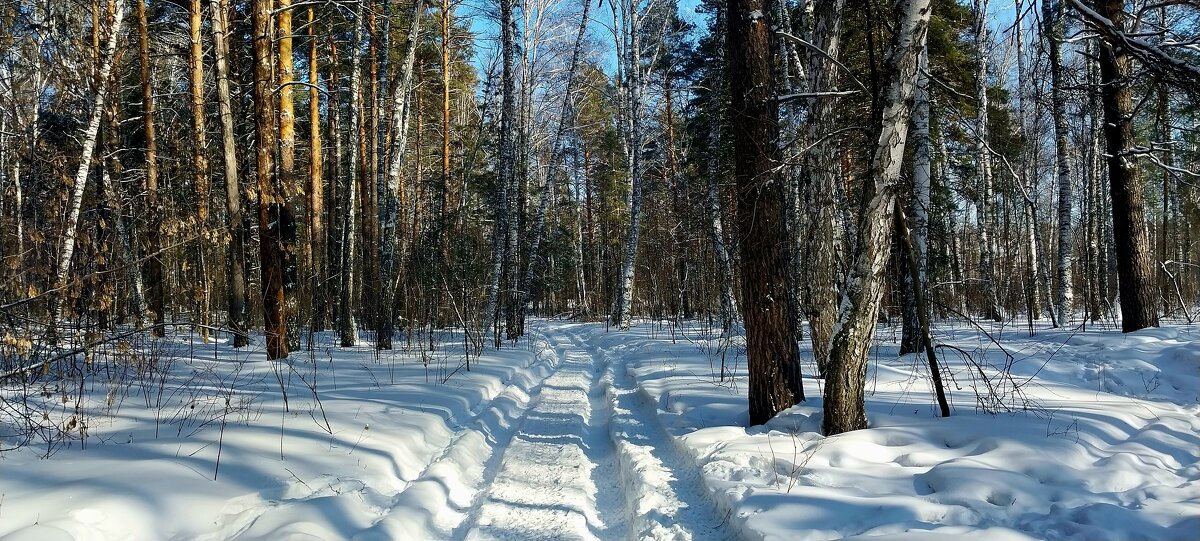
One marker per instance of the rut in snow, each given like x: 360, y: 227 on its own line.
x: 559, y: 477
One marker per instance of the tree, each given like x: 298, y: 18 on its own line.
x: 79, y: 184
x: 771, y: 350
x: 152, y: 268
x: 271, y: 202
x: 845, y: 383
x: 1135, y: 276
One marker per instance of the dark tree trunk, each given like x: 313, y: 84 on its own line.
x: 1135, y: 277
x: 270, y: 203
x: 771, y: 352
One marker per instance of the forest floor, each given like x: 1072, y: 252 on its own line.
x: 582, y: 433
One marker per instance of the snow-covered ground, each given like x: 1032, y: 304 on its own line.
x: 578, y: 433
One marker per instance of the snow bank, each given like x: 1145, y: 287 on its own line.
x: 1102, y: 443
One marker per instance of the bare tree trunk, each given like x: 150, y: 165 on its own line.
x: 503, y: 228
x: 1052, y: 29
x: 566, y: 118
x: 822, y: 176
x: 1093, y: 197
x: 199, y: 160
x: 389, y: 207
x: 912, y: 339
x: 288, y: 183
x: 845, y: 383
x: 271, y: 200
x: 152, y: 268
x: 347, y: 329
x: 716, y: 231
x: 1136, y: 283
x: 90, y: 134
x: 622, y: 315
x: 315, y: 196
x: 987, y: 242
x: 236, y: 283
x: 771, y: 350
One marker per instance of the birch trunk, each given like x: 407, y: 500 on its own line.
x: 1051, y: 17
x: 822, y: 176
x: 566, y: 118
x: 79, y: 185
x: 845, y: 383
x: 912, y: 338
x: 622, y: 315
x: 506, y: 163
x: 389, y: 207
x: 987, y: 243
x: 347, y: 329
x: 236, y: 283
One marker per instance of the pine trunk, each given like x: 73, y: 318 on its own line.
x: 772, y: 354
x: 1136, y: 277
x: 152, y: 268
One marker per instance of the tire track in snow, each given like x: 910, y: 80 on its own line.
x: 669, y: 499
x: 436, y: 502
x: 555, y: 479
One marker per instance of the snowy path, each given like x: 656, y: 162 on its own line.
x: 559, y: 477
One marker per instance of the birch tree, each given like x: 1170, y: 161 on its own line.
x: 79, y: 183
x: 236, y: 285
x: 845, y: 384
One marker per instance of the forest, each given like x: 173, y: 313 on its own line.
x: 211, y: 199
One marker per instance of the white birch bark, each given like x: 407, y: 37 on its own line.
x: 347, y: 328
x: 844, y: 406
x: 1052, y: 29
x: 631, y: 20
x: 389, y: 188
x: 986, y: 195
x: 566, y: 118
x: 918, y: 206
x: 67, y: 248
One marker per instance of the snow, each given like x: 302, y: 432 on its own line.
x: 578, y: 433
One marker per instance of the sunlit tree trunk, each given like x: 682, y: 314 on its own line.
x: 986, y: 194
x: 152, y: 268
x: 622, y: 315
x: 315, y: 194
x: 822, y: 176
x: 79, y: 183
x: 845, y: 383
x: 347, y: 328
x: 1136, y: 283
x: 1052, y: 29
x: 389, y: 204
x: 236, y: 281
x: 199, y: 159
x: 271, y: 200
x: 771, y: 350
x: 506, y: 165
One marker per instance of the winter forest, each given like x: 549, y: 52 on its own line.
x: 599, y: 269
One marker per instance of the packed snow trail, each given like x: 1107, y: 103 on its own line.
x: 559, y: 477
